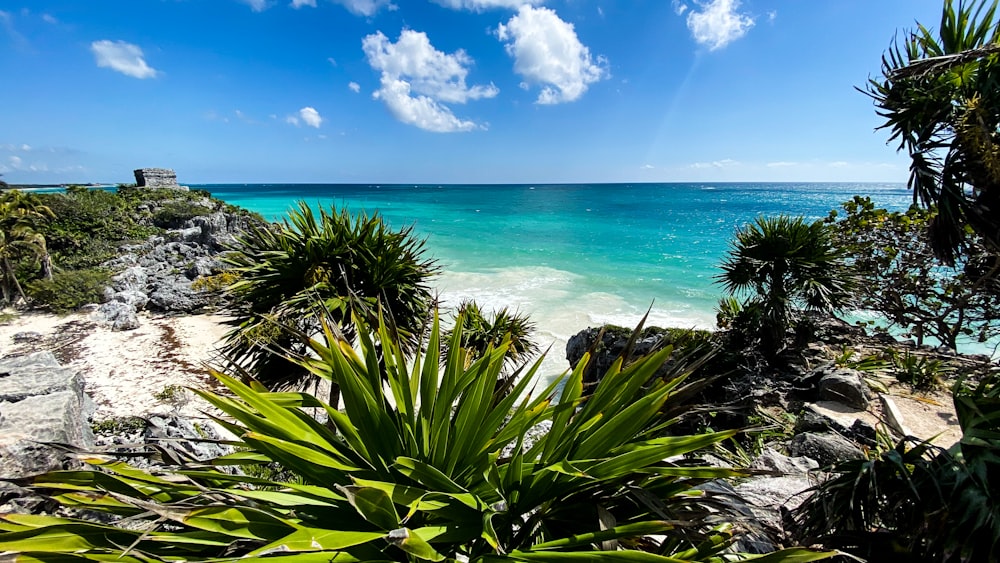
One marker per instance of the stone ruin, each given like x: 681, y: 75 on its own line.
x: 157, y: 178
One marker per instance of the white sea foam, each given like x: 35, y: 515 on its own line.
x: 560, y: 304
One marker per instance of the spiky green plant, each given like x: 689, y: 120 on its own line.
x: 480, y: 332
x: 939, y: 98
x: 350, y: 263
x: 423, y: 465
x: 915, y: 500
x: 21, y: 215
x: 782, y: 264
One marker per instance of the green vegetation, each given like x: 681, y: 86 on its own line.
x: 215, y: 282
x: 939, y: 98
x: 782, y: 264
x: 480, y: 332
x: 119, y: 425
x: 172, y: 394
x: 21, y: 239
x: 343, y: 264
x: 915, y: 501
x: 69, y: 290
x: 900, y: 278
x: 424, y: 464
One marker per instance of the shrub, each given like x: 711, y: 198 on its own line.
x: 173, y: 214
x: 215, y: 282
x: 69, y: 290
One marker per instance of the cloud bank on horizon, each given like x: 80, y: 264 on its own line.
x: 645, y: 90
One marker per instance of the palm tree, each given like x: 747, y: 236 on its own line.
x: 349, y: 266
x: 784, y: 264
x: 940, y: 99
x: 20, y: 216
x: 483, y: 332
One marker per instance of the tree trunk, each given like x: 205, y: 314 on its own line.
x: 47, y: 266
x: 9, y: 273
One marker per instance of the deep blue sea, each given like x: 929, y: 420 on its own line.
x: 576, y: 255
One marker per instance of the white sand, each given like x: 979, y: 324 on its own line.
x: 127, y: 373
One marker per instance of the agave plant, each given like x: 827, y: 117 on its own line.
x: 424, y: 465
x: 349, y: 263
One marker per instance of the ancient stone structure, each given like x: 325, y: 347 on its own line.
x: 157, y: 178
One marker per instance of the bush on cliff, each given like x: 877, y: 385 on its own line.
x: 423, y: 465
x: 69, y: 290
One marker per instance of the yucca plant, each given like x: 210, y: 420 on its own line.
x: 424, y: 465
x: 348, y: 262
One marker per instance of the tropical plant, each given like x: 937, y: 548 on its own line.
x: 481, y: 331
x: 940, y: 100
x: 20, y: 216
x: 352, y: 265
x: 915, y: 500
x: 781, y: 264
x: 903, y: 282
x: 423, y: 465
x: 68, y: 290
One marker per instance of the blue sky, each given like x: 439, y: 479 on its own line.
x: 447, y: 91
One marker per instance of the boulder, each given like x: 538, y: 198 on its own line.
x: 133, y: 278
x: 117, y: 314
x: 826, y: 448
x: 40, y: 403
x: 176, y: 296
x: 771, y: 460
x: 136, y: 299
x: 844, y: 386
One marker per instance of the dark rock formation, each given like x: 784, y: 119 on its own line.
x: 825, y: 447
x: 40, y: 402
x: 157, y: 178
x: 844, y: 386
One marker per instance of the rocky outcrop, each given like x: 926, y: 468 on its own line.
x: 41, y: 402
x: 157, y: 274
x: 157, y: 178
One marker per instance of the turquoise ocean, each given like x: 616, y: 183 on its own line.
x: 576, y: 255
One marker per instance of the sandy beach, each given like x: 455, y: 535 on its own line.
x: 136, y: 372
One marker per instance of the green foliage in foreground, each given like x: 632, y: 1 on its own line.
x: 424, y: 465
x: 480, y: 332
x: 915, y: 501
x: 69, y: 290
x: 939, y: 98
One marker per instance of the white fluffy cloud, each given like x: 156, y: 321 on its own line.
x: 307, y: 115
x: 420, y: 111
x: 366, y: 8
x: 122, y: 57
x: 310, y: 117
x: 354, y: 86
x: 300, y: 3
x: 716, y: 23
x: 547, y: 51
x: 480, y: 5
x: 417, y: 80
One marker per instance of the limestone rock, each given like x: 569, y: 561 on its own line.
x: 117, y: 314
x: 844, y: 386
x: 40, y: 401
x: 771, y: 460
x: 825, y: 447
